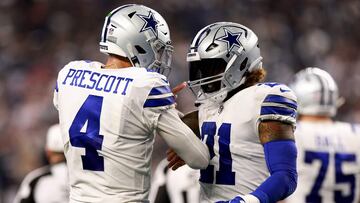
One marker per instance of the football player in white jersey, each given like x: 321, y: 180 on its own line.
x: 329, y: 151
x: 109, y: 113
x: 248, y: 126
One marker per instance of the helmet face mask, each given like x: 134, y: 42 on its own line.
x: 163, y: 56
x: 226, y: 52
x: 140, y: 34
x: 316, y: 91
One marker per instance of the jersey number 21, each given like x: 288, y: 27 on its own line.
x: 224, y: 175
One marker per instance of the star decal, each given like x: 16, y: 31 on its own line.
x: 150, y: 23
x: 232, y: 39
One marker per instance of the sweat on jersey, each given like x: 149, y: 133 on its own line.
x: 108, y: 119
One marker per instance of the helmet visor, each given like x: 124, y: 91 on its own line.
x: 207, y: 73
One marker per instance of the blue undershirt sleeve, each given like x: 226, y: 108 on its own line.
x: 280, y: 158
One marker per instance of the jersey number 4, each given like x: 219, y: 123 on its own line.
x: 340, y: 177
x: 224, y: 175
x: 88, y: 117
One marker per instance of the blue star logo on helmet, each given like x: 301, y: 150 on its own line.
x: 150, y: 23
x: 232, y: 39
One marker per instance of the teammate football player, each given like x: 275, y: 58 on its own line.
x: 328, y: 163
x: 248, y: 126
x: 109, y: 113
x: 48, y: 184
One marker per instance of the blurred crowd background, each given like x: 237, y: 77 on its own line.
x: 39, y: 37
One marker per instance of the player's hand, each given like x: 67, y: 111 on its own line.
x: 237, y: 199
x: 242, y: 199
x: 174, y: 160
x: 178, y: 88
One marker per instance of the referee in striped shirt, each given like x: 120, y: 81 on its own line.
x: 50, y: 183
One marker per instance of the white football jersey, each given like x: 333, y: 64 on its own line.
x: 108, y: 119
x: 328, y: 162
x: 237, y: 164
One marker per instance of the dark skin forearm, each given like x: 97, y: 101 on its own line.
x: 192, y: 121
x: 275, y: 130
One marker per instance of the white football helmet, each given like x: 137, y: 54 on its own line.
x: 139, y: 33
x: 220, y: 56
x: 316, y: 91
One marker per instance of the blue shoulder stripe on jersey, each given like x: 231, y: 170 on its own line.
x: 281, y: 100
x: 159, y: 102
x: 160, y: 90
x: 267, y: 110
x: 270, y: 84
x: 167, y: 82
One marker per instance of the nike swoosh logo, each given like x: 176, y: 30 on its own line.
x: 284, y: 90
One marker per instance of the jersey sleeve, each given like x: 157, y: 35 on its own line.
x: 159, y: 106
x: 278, y: 103
x: 58, y: 83
x: 160, y: 96
x: 182, y: 140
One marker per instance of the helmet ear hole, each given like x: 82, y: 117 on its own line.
x: 211, y: 47
x: 243, y: 64
x: 139, y: 49
x: 131, y: 14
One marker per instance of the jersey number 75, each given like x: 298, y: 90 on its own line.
x: 340, y: 177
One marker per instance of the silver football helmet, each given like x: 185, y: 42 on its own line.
x: 220, y: 56
x: 316, y: 91
x: 139, y: 33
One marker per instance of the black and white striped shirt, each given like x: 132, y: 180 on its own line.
x: 48, y: 184
x: 180, y: 186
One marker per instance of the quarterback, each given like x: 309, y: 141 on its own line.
x: 248, y: 126
x: 109, y: 113
x: 328, y: 164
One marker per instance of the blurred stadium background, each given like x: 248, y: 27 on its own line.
x: 38, y: 37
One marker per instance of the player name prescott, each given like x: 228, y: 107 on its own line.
x: 97, y: 81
